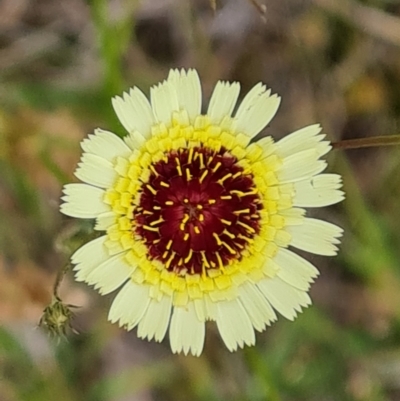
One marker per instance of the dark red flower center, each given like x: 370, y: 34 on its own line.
x: 198, y: 211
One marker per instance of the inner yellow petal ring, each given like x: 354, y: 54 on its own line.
x: 199, y: 211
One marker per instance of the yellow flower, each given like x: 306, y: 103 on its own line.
x: 197, y: 218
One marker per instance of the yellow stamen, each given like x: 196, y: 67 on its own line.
x: 204, y: 258
x: 229, y: 234
x: 183, y: 222
x: 188, y: 175
x: 178, y: 166
x: 169, y: 244
x: 226, y: 222
x: 224, y: 178
x: 226, y: 197
x: 186, y: 236
x: 165, y: 254
x: 203, y: 176
x: 201, y: 217
x: 196, y: 230
x: 151, y: 189
x: 230, y: 249
x: 157, y: 207
x: 236, y: 192
x: 164, y: 184
x: 169, y: 203
x: 246, y: 226
x: 200, y: 207
x: 190, y: 156
x: 148, y: 228
x: 215, y: 235
x: 201, y: 156
x: 216, y: 167
x: 152, y: 168
x: 243, y: 211
x: 148, y: 212
x: 244, y: 238
x: 212, y: 201
x: 221, y: 265
x: 169, y: 261
x: 236, y: 175
x: 252, y: 192
x: 186, y: 200
x: 154, y: 223
x: 187, y: 259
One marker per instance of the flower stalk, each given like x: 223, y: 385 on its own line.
x: 374, y: 141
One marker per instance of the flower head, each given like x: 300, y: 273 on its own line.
x: 198, y: 219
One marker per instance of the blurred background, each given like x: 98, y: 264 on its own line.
x: 336, y: 62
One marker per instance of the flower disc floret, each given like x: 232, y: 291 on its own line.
x: 198, y: 210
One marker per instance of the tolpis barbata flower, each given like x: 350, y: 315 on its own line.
x: 199, y: 222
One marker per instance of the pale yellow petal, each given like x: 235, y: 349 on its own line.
x: 303, y: 139
x: 234, y: 324
x: 130, y: 305
x: 316, y: 236
x: 223, y: 101
x: 110, y: 274
x: 287, y: 300
x: 135, y: 140
x: 256, y: 305
x: 188, y: 89
x: 83, y: 201
x: 295, y: 270
x: 105, y: 144
x: 186, y: 332
x: 300, y: 166
x: 155, y: 321
x: 256, y: 111
x: 164, y: 101
x: 96, y: 171
x: 88, y: 257
x: 134, y: 112
x: 318, y: 191
x: 105, y: 221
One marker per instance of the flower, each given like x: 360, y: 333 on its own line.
x: 198, y: 219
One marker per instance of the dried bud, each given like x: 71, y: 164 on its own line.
x: 57, y: 318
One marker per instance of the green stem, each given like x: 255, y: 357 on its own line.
x: 373, y: 141
x: 59, y: 278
